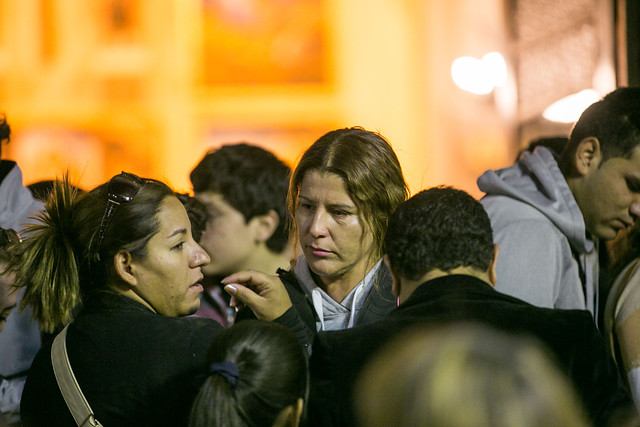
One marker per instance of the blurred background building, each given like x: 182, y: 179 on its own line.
x: 98, y: 86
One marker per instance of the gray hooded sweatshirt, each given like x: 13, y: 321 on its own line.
x: 546, y: 257
x: 20, y: 339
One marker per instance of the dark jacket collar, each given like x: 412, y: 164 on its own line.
x: 101, y: 301
x: 455, y: 284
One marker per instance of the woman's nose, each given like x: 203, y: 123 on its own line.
x: 318, y: 226
x: 200, y: 257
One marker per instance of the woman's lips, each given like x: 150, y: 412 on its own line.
x: 319, y: 251
x: 197, y: 287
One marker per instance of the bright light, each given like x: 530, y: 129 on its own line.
x: 496, y: 68
x: 569, y: 108
x: 479, y: 76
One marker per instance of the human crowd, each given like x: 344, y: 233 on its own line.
x: 325, y: 295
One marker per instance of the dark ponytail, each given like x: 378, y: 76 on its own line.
x: 271, y: 374
x: 56, y: 264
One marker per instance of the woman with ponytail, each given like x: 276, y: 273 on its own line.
x: 257, y: 377
x: 119, y: 266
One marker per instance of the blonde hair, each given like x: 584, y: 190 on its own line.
x: 465, y: 376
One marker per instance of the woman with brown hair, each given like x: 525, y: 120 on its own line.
x: 342, y: 193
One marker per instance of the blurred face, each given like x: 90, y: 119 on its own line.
x: 228, y: 238
x: 336, y: 242
x: 610, y: 196
x: 168, y: 278
x: 7, y: 295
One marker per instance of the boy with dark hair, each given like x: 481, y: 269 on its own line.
x: 244, y: 190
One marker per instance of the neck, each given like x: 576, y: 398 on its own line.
x: 269, y: 262
x: 409, y: 286
x: 338, y: 287
x: 575, y: 185
x: 130, y: 293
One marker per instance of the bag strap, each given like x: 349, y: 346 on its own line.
x: 73, y: 396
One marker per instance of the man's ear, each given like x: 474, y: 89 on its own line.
x: 493, y: 277
x: 122, y: 263
x: 396, y: 286
x: 265, y: 225
x: 587, y: 156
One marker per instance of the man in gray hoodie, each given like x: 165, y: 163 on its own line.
x: 549, y: 211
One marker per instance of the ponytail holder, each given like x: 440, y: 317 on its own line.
x: 228, y: 370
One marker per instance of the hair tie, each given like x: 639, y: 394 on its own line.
x: 228, y: 370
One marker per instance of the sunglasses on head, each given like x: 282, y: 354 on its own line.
x: 121, y: 189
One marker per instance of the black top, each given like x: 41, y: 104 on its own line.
x: 302, y: 316
x: 571, y: 335
x: 135, y: 367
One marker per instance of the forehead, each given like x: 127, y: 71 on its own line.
x: 325, y: 185
x: 172, y: 215
x: 213, y: 200
x: 209, y: 197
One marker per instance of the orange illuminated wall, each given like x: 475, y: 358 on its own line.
x: 98, y: 86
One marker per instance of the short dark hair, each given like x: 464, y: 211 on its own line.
x: 8, y: 238
x: 272, y: 374
x: 555, y: 144
x: 197, y: 213
x: 252, y: 180
x: 369, y: 168
x: 614, y: 121
x: 439, y: 228
x: 5, y: 131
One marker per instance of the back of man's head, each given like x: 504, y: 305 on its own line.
x: 614, y: 121
x: 439, y: 228
x: 5, y: 131
x: 252, y: 180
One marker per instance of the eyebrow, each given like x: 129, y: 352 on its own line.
x: 331, y: 205
x: 179, y: 231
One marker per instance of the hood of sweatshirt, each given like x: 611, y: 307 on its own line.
x: 536, y: 180
x: 17, y: 204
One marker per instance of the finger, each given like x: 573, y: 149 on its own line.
x: 251, y: 277
x: 242, y: 294
x: 235, y: 303
x: 239, y: 277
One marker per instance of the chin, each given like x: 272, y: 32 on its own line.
x: 607, y: 233
x: 192, y: 309
x: 322, y: 270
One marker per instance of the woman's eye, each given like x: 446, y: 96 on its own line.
x: 633, y: 184
x: 178, y: 247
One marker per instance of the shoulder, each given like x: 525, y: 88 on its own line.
x: 17, y: 203
x: 502, y: 207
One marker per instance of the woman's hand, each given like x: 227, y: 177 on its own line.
x: 264, y: 294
